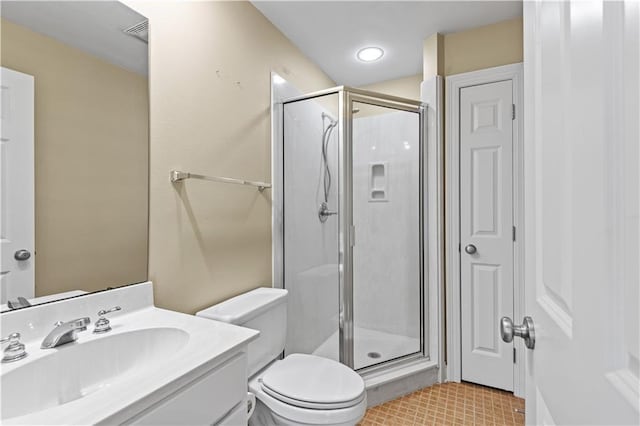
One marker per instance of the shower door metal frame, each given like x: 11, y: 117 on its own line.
x: 350, y: 96
x: 347, y: 230
x: 346, y: 97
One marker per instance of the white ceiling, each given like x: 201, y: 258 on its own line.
x: 331, y: 32
x: 94, y: 27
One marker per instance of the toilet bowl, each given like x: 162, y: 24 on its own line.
x: 300, y: 389
x: 308, y: 390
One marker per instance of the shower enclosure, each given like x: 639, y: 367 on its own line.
x: 352, y: 231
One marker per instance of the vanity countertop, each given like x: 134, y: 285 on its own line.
x: 203, y: 344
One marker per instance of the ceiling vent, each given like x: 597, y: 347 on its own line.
x: 139, y: 31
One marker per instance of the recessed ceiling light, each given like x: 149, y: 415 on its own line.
x: 370, y: 54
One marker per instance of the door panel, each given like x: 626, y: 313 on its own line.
x: 485, y: 296
x: 486, y: 222
x: 17, y: 277
x: 582, y: 211
x: 485, y: 213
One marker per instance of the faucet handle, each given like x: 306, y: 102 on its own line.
x: 15, y: 350
x: 103, y: 325
x: 108, y: 311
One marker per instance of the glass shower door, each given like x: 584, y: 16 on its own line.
x: 311, y: 237
x: 386, y: 210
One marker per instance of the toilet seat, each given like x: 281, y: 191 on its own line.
x: 311, y: 405
x: 310, y: 381
x: 299, y: 408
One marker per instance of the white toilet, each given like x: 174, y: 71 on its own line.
x: 300, y: 389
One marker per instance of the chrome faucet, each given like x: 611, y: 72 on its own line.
x: 324, y: 212
x: 65, y: 332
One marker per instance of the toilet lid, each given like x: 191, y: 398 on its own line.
x: 313, y: 382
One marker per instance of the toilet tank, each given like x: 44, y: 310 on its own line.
x: 262, y: 309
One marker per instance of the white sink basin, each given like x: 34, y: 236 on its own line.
x: 150, y: 355
x: 76, y: 370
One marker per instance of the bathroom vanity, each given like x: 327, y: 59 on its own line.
x: 153, y: 367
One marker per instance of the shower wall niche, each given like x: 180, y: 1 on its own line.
x: 378, y: 182
x: 352, y: 226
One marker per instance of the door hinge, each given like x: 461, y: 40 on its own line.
x: 514, y: 233
x: 513, y: 111
x: 514, y: 355
x: 352, y: 235
x: 459, y: 248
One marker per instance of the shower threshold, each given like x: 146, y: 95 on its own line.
x: 371, y: 347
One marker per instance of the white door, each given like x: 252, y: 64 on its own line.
x: 582, y: 215
x: 17, y: 237
x: 486, y: 231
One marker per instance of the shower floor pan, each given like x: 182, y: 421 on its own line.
x: 371, y: 347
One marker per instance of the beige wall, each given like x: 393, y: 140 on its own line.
x: 91, y: 156
x: 210, y: 65
x: 405, y: 87
x: 483, y: 47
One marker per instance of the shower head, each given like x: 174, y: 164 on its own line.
x: 331, y: 119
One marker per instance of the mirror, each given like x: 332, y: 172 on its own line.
x: 74, y: 149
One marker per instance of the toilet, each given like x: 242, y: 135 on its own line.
x: 300, y: 389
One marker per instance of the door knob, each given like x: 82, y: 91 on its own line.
x: 22, y: 255
x: 470, y: 249
x: 526, y: 331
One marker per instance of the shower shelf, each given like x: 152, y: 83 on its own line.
x: 179, y: 176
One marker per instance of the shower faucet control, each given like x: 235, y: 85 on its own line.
x: 324, y: 212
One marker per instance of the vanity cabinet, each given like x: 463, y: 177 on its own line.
x: 219, y: 397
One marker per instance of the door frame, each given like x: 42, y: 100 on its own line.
x: 454, y: 83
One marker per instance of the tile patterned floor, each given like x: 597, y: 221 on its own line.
x: 449, y: 404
